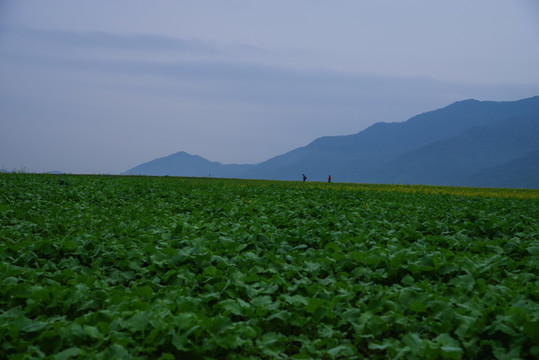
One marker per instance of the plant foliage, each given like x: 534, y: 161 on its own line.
x: 139, y: 267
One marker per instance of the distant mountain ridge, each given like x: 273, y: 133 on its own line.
x: 184, y: 164
x: 468, y: 143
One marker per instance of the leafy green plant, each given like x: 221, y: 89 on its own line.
x: 142, y: 267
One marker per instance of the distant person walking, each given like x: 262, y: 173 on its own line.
x: 304, y: 177
x: 329, y: 179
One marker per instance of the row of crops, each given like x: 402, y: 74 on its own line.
x: 139, y: 267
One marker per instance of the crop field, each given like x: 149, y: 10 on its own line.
x: 174, y: 268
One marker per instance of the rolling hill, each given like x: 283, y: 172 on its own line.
x: 468, y: 143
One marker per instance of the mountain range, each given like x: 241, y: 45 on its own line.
x: 468, y: 143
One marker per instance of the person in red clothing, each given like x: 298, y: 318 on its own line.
x: 329, y: 178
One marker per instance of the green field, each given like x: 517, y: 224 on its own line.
x: 141, y: 267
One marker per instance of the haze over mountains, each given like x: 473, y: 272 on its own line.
x: 468, y: 143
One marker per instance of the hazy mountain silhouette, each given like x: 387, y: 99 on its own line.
x: 184, y: 164
x: 476, y: 143
x: 452, y: 161
x: 522, y: 172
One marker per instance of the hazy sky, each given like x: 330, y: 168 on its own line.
x: 101, y: 86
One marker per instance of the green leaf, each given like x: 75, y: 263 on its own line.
x: 407, y: 280
x: 296, y: 300
x: 313, y: 304
x: 418, y: 307
x: 342, y: 350
x: 117, y: 351
x: 10, y: 281
x: 139, y: 321
x: 211, y: 271
x: 271, y: 344
x: 232, y: 306
x: 261, y: 300
x: 181, y: 340
x: 414, y: 342
x: 66, y: 354
x: 143, y: 291
x: 352, y: 315
x: 92, y: 332
x: 35, y: 326
x: 324, y: 331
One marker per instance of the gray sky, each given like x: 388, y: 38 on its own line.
x: 102, y: 86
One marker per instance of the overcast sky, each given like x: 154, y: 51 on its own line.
x: 101, y: 86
